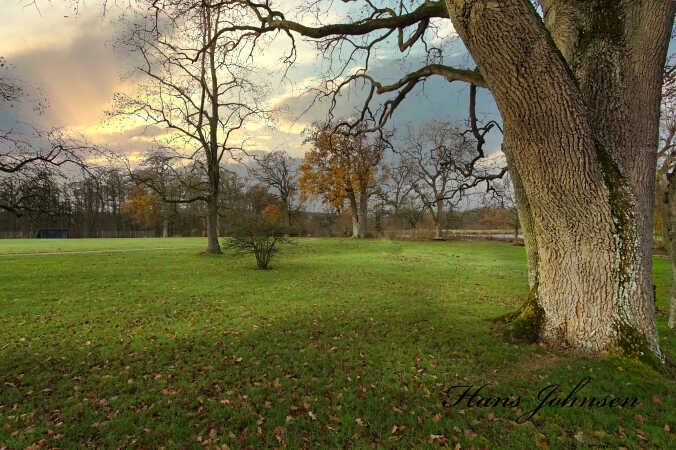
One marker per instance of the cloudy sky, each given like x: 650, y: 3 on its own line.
x: 71, y: 60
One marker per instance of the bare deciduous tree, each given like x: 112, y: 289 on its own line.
x: 33, y: 160
x: 444, y: 167
x: 398, y: 185
x: 197, y: 88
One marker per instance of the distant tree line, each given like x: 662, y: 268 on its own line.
x: 153, y: 200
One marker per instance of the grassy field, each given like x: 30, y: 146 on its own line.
x: 344, y: 344
x: 9, y: 246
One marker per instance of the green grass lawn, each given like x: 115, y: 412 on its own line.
x: 343, y: 344
x: 8, y: 246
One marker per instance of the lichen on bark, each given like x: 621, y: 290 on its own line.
x: 624, y: 233
x: 630, y: 343
x: 525, y: 324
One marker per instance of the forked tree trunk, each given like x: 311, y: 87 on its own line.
x: 580, y: 105
x: 358, y: 211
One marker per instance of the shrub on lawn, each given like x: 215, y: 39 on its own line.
x: 258, y: 234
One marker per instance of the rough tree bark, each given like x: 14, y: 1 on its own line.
x: 212, y: 227
x: 588, y: 177
x: 525, y: 216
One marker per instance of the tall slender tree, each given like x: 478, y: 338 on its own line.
x: 197, y: 87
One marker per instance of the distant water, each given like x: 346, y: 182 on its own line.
x: 488, y: 235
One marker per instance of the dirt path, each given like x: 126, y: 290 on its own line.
x: 80, y: 252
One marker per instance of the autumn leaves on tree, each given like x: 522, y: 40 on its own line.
x: 343, y: 169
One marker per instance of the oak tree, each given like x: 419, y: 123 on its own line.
x: 144, y: 208
x: 343, y: 169
x: 567, y: 78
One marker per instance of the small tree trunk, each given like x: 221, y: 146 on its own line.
x: 355, y: 215
x: 286, y: 215
x: 438, y: 234
x: 437, y: 229
x: 212, y: 227
x: 363, y: 215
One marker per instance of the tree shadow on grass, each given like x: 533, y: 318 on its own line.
x: 329, y: 377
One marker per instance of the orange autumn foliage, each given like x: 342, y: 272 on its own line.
x: 340, y: 167
x: 272, y: 214
x: 144, y: 209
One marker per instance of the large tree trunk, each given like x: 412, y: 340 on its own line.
x: 567, y: 94
x: 525, y: 215
x: 212, y: 203
x: 670, y: 238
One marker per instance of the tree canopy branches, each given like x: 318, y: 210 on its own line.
x: 351, y: 46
